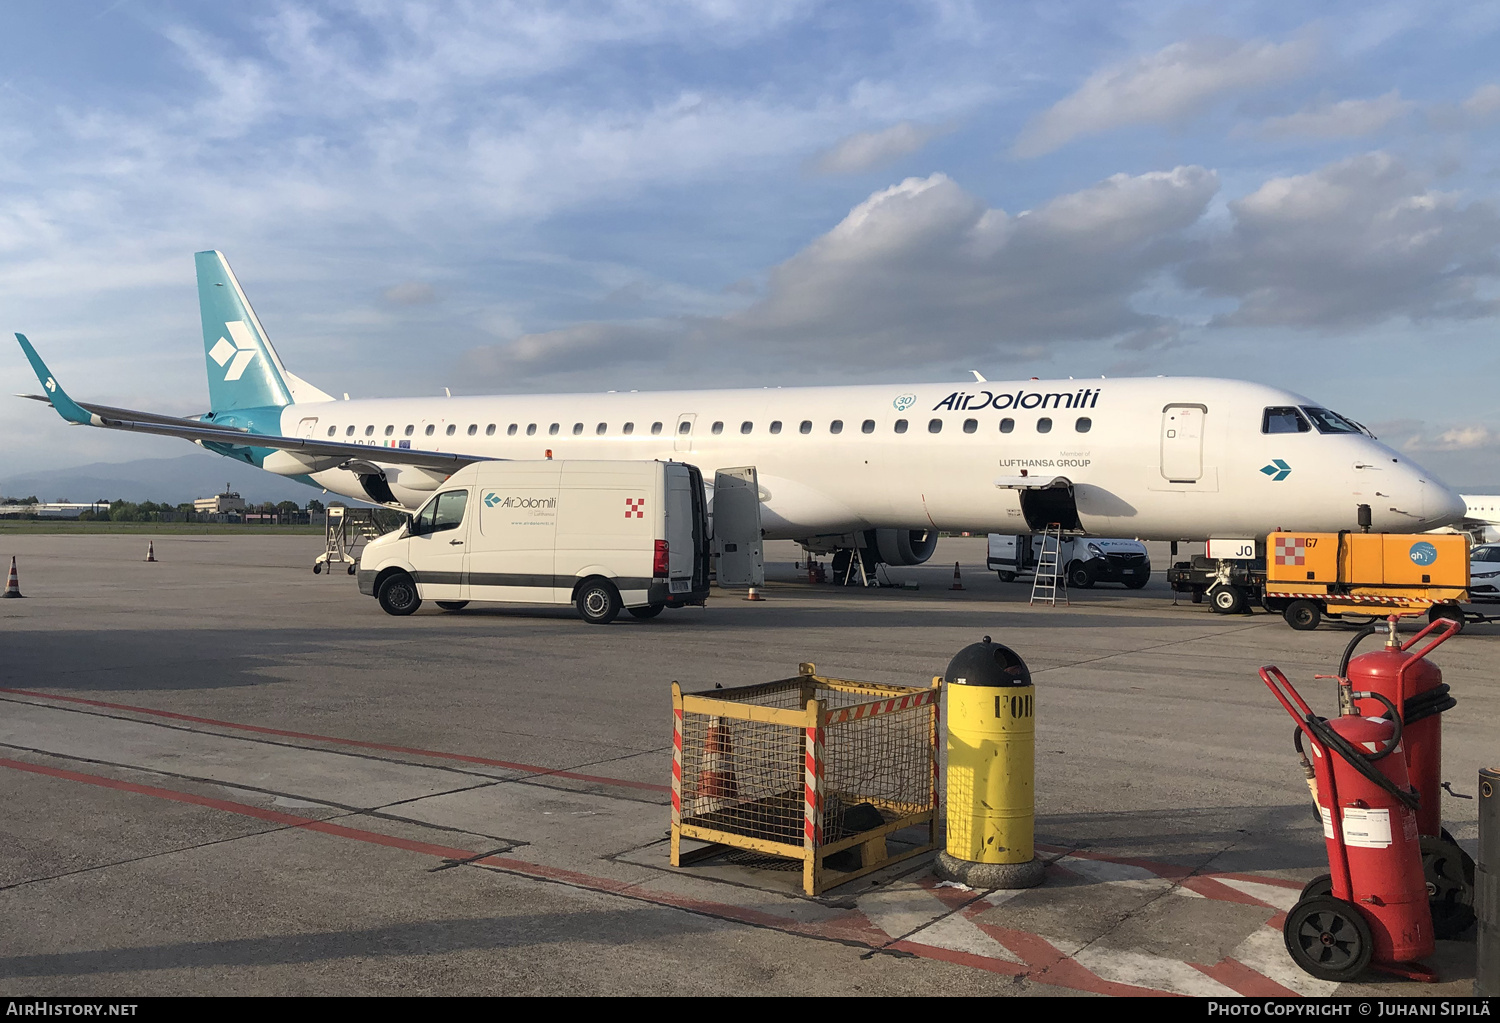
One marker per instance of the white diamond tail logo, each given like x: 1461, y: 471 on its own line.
x: 239, y: 354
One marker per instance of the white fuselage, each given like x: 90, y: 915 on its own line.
x: 1133, y: 474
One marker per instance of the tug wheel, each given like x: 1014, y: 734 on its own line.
x: 1302, y: 615
x: 1449, y: 872
x: 1328, y: 938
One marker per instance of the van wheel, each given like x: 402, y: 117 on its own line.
x: 1007, y: 577
x: 453, y: 605
x: 1302, y: 615
x: 598, y: 602
x: 398, y: 595
x: 1079, y: 576
x: 649, y: 611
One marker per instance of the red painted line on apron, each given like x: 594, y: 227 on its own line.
x: 1212, y: 889
x: 949, y: 955
x: 1052, y: 967
x: 358, y: 743
x: 1236, y: 976
x: 1279, y: 882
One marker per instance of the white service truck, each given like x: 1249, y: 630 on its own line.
x: 1083, y: 560
x: 601, y: 536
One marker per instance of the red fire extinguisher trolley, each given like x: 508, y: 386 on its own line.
x: 1372, y: 908
x: 1416, y: 685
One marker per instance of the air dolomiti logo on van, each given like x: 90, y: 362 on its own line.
x: 494, y: 500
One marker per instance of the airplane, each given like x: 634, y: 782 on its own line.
x: 879, y: 468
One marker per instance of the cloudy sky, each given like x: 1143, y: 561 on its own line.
x: 523, y: 197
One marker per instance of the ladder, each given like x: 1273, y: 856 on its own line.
x: 347, y: 531
x: 1048, y: 581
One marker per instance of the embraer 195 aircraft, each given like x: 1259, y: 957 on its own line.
x: 881, y: 468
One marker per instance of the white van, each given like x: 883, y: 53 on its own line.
x: 598, y: 535
x: 1084, y: 560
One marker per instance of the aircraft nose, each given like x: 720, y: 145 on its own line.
x: 1440, y: 505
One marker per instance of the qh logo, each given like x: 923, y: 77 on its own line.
x: 904, y: 402
x: 1277, y: 470
x: 239, y: 354
x: 1422, y: 553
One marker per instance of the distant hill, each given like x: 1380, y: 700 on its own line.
x: 173, y: 480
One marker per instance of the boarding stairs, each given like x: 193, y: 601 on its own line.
x: 346, y: 532
x: 1050, y: 584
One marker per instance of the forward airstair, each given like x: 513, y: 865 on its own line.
x: 1049, y: 582
x: 347, y: 531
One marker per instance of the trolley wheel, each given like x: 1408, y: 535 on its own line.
x: 1302, y: 615
x: 649, y: 611
x: 398, y: 595
x: 1007, y: 577
x: 1317, y: 888
x: 352, y: 569
x: 1328, y: 938
x: 1452, y: 612
x: 1079, y: 576
x: 453, y: 605
x: 1227, y: 600
x: 1449, y: 872
x: 598, y: 602
x: 317, y: 568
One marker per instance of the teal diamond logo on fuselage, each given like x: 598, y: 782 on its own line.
x: 1277, y: 470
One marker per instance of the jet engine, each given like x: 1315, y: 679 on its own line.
x: 901, y: 546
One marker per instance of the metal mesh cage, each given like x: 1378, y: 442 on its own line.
x: 799, y: 765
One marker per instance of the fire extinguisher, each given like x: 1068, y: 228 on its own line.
x: 1371, y: 909
x: 1416, y: 685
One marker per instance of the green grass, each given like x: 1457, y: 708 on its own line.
x: 54, y: 526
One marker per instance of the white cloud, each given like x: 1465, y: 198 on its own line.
x: 868, y: 150
x: 1164, y: 87
x: 1458, y: 438
x: 410, y: 293
x: 1352, y: 244
x: 1345, y: 119
x: 1484, y: 102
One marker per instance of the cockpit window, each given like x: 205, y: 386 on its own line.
x: 1329, y: 422
x: 1283, y: 419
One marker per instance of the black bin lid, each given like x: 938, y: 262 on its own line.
x: 987, y: 664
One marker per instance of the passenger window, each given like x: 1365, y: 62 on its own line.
x: 577, y: 429
x: 349, y: 432
x: 628, y: 429
x: 409, y: 429
x: 1084, y: 424
x: 776, y: 426
x: 332, y: 430
x: 901, y: 426
x: 1007, y: 425
x: 934, y: 426
x: 389, y: 430
x: 805, y: 426
x: 552, y: 430
x: 685, y: 427
x: 655, y: 429
x: 452, y: 429
x: 531, y: 429
x: 868, y: 426
x: 489, y: 431
x: 837, y: 426
x: 429, y: 429
x: 601, y: 429
x: 1283, y: 419
x: 1044, y: 425
x: 970, y: 425
x: 718, y: 428
x: 746, y: 426
x: 473, y: 429
x: 510, y: 431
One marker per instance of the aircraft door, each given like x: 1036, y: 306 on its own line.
x: 737, y: 539
x: 682, y: 440
x: 307, y: 427
x: 1182, y: 442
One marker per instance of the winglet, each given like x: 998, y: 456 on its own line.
x: 66, y: 407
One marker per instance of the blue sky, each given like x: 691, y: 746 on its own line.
x: 503, y: 197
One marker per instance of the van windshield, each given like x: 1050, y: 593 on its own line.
x: 446, y: 511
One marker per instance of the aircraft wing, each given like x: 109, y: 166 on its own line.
x: 111, y: 418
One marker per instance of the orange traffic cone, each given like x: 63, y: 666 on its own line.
x: 717, y: 785
x: 958, y: 581
x: 13, y: 584
x: 150, y: 550
x: 754, y: 594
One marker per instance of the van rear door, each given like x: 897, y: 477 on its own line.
x: 737, y: 539
x: 680, y: 532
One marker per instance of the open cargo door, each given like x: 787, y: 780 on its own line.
x: 737, y: 539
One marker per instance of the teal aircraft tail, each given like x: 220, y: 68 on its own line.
x: 244, y: 371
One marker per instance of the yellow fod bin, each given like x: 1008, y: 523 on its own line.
x: 991, y: 804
